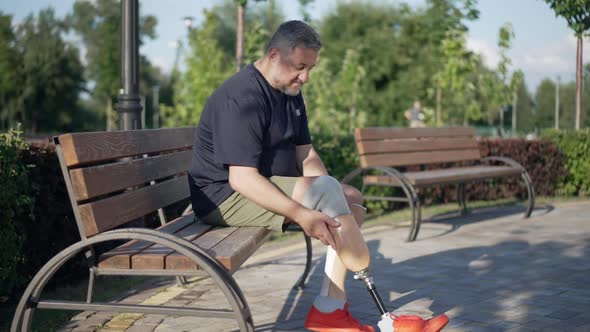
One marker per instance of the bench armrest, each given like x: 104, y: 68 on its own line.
x: 390, y: 171
x: 505, y: 160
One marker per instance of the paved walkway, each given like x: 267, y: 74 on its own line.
x: 489, y: 271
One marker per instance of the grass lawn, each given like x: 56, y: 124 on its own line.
x: 109, y: 288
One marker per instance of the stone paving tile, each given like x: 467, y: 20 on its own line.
x: 492, y: 272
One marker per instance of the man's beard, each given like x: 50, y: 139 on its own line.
x: 291, y: 91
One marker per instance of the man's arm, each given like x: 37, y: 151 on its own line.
x: 248, y: 182
x: 309, y: 162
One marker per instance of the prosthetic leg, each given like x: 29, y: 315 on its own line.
x: 325, y: 194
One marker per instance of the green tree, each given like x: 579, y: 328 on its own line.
x: 337, y: 103
x: 515, y: 84
x: 545, y: 104
x: 98, y: 23
x: 567, y: 102
x: 207, y: 66
x: 9, y: 77
x: 577, y: 15
x: 454, y: 80
x: 525, y: 113
x: 51, y: 74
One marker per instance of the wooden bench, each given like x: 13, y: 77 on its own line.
x: 385, y: 154
x: 117, y: 177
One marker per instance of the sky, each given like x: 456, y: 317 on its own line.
x: 543, y: 47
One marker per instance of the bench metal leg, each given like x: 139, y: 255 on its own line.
x: 412, y: 197
x: 30, y: 299
x: 531, y: 194
x: 525, y: 176
x: 416, y: 216
x: 309, y: 250
x: 461, y: 198
x: 91, y: 276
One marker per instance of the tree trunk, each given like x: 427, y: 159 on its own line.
x: 579, y: 82
x: 240, y: 37
x: 514, y: 110
x: 438, y: 110
x: 502, y: 121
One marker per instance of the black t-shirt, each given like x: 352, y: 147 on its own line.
x: 245, y: 122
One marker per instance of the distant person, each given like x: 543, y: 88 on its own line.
x: 415, y: 116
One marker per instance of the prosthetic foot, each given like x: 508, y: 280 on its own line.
x: 405, y: 323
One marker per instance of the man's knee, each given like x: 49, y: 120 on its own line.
x: 325, y: 194
x: 353, y: 195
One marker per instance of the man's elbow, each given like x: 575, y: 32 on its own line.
x: 238, y: 178
x: 234, y: 182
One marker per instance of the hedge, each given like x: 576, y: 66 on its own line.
x: 576, y: 147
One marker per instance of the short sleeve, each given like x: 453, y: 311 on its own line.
x: 303, y: 135
x: 238, y: 132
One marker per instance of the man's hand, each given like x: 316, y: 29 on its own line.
x: 316, y: 224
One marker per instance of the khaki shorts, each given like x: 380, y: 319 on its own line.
x: 237, y: 210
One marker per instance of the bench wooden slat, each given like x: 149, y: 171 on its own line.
x: 377, y: 133
x: 177, y: 261
x: 80, y: 148
x: 98, y: 180
x: 113, y: 211
x: 239, y: 246
x: 445, y: 176
x: 417, y: 158
x: 153, y: 257
x: 120, y: 257
x: 408, y: 145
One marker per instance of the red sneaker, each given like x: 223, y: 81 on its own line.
x: 336, y: 321
x: 411, y: 323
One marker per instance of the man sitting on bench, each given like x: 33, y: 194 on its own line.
x: 254, y: 165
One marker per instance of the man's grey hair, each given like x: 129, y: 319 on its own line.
x: 293, y: 34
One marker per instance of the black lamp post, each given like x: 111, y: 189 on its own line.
x: 129, y: 102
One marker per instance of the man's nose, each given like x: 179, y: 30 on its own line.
x: 304, y: 76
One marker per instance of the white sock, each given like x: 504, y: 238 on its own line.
x: 323, y: 302
x: 328, y: 304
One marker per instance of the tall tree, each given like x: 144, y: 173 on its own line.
x: 51, y: 73
x: 525, y: 113
x: 207, y: 66
x: 505, y: 37
x: 515, y: 84
x: 454, y: 79
x: 241, y: 4
x: 9, y: 76
x: 337, y: 102
x: 577, y: 15
x: 99, y: 23
x: 545, y: 104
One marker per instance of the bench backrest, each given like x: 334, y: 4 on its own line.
x: 115, y: 177
x: 380, y: 146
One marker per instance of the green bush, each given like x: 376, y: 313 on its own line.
x: 576, y: 146
x: 337, y: 152
x: 16, y: 209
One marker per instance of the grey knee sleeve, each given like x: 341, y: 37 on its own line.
x: 325, y: 194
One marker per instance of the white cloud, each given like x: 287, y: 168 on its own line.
x: 546, y: 63
x: 489, y: 53
x: 555, y: 57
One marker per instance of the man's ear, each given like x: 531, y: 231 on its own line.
x: 274, y: 54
